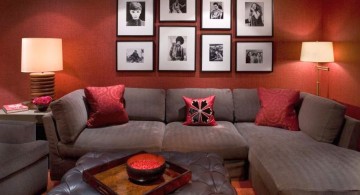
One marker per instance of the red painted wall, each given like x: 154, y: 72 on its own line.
x: 88, y: 30
x: 341, y: 24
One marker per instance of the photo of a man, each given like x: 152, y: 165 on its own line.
x: 216, y: 10
x: 135, y: 13
x: 177, y: 48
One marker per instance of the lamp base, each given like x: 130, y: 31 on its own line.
x: 42, y: 84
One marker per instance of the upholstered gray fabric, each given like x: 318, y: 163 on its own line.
x: 14, y: 157
x: 70, y: 113
x: 134, y: 135
x: 246, y: 104
x: 222, y: 139
x: 32, y: 179
x: 10, y: 131
x: 293, y: 163
x: 175, y: 106
x: 321, y: 118
x: 350, y: 135
x: 145, y: 104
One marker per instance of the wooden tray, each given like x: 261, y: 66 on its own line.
x: 111, y: 178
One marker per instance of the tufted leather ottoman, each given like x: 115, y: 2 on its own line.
x: 208, y: 173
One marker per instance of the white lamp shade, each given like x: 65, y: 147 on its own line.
x: 41, y: 55
x: 317, y: 52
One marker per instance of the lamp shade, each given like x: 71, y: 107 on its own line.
x: 317, y: 52
x: 41, y: 55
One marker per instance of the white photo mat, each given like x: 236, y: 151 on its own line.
x: 175, y: 12
x: 123, y: 14
x: 134, y: 56
x: 207, y: 10
x: 243, y: 27
x: 216, y: 53
x: 167, y: 39
x: 254, y: 56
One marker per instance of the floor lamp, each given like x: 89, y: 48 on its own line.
x: 318, y: 52
x: 40, y: 57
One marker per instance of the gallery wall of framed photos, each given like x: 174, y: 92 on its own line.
x: 194, y: 35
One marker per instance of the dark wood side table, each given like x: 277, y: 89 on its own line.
x: 29, y: 115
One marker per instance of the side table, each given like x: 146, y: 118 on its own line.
x: 29, y: 115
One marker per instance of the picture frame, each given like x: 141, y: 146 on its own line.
x: 177, y: 10
x: 254, y: 18
x: 216, y: 53
x: 216, y: 14
x: 135, y: 18
x: 254, y: 56
x: 177, y: 47
x: 134, y: 55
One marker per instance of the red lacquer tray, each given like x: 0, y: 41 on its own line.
x: 111, y: 178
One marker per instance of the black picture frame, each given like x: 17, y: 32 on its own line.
x: 143, y: 26
x: 168, y: 35
x: 212, y: 43
x: 126, y: 61
x: 222, y: 21
x: 180, y: 16
x: 263, y: 27
x: 262, y: 59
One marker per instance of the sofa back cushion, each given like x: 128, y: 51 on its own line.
x: 145, y: 104
x: 247, y: 104
x: 321, y: 118
x: 176, y: 110
x: 70, y: 114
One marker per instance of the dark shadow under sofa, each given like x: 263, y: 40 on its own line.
x: 281, y: 161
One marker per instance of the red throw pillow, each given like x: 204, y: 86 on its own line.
x: 106, y: 106
x: 277, y: 108
x: 200, y: 111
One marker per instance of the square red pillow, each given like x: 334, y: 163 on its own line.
x: 278, y: 108
x: 200, y: 111
x: 106, y: 106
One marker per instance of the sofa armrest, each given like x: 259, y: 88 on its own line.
x: 16, y: 132
x: 350, y: 135
x: 52, y: 135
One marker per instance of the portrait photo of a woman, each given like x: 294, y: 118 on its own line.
x: 135, y: 14
x: 254, y: 14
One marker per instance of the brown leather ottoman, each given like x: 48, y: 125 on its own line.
x: 208, y: 173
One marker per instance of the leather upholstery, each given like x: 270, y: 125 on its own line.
x: 208, y: 173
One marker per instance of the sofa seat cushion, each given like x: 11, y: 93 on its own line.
x: 291, y: 162
x: 134, y: 135
x: 222, y: 139
x: 14, y: 157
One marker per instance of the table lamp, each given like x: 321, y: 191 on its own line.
x: 317, y: 52
x: 40, y: 57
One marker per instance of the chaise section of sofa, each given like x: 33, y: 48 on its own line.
x: 301, y: 162
x: 69, y: 137
x: 222, y: 139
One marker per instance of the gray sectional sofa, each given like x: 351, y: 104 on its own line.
x: 23, y: 159
x: 314, y: 160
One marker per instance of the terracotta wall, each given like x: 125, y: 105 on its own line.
x: 88, y: 30
x: 341, y: 24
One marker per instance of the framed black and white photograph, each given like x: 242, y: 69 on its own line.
x: 254, y: 56
x: 254, y: 18
x: 135, y: 18
x: 134, y: 56
x: 216, y: 53
x: 177, y: 10
x: 177, y: 48
x: 216, y: 14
